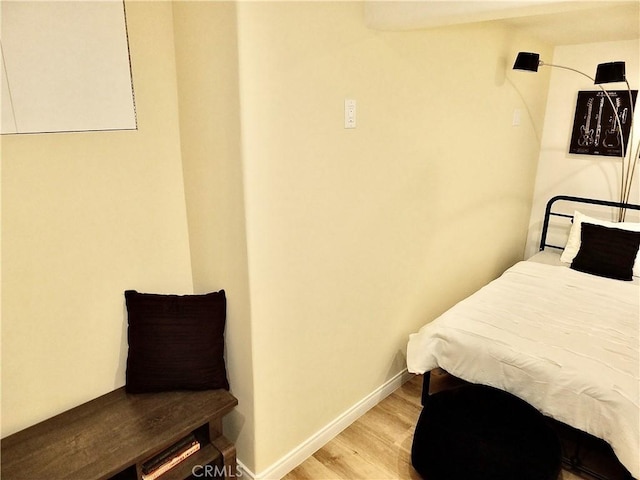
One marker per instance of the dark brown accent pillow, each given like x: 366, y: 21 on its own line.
x: 607, y: 252
x: 176, y: 342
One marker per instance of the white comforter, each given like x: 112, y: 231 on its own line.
x: 564, y: 341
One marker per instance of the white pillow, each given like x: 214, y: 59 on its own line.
x: 573, y: 242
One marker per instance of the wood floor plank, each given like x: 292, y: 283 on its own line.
x: 347, y: 463
x: 404, y: 410
x: 374, y: 447
x: 385, y: 425
x: 311, y: 469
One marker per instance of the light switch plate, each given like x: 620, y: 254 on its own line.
x: 349, y: 113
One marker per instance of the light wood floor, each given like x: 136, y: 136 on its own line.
x: 376, y: 446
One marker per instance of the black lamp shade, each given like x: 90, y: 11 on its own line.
x: 527, y: 61
x: 610, y: 72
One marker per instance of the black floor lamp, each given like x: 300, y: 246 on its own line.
x: 610, y: 72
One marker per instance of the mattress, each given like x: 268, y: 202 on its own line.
x: 564, y: 341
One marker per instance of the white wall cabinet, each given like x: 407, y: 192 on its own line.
x: 65, y: 67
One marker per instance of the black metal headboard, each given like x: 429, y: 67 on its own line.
x: 549, y: 213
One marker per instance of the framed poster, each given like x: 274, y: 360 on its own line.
x: 594, y: 126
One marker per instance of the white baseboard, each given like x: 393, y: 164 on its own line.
x: 307, y: 448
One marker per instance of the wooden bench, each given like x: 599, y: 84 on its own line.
x: 111, y: 436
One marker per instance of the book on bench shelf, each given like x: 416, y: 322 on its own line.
x: 170, y: 457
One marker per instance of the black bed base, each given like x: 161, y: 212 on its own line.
x: 578, y: 447
x: 586, y: 454
x: 426, y: 382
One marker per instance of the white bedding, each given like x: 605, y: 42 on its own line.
x: 564, y: 341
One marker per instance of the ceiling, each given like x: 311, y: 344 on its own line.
x: 555, y: 22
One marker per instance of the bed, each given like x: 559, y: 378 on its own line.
x: 559, y: 330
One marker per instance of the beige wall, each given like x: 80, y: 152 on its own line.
x: 86, y: 216
x: 207, y: 61
x: 333, y: 244
x: 358, y: 237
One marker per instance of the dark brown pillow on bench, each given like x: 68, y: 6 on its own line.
x: 176, y: 342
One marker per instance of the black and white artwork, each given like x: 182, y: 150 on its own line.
x: 595, y: 130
